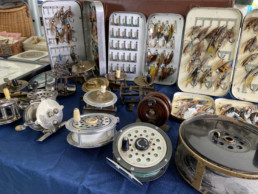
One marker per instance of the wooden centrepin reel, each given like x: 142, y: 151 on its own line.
x: 154, y: 108
x: 100, y: 101
x: 91, y: 130
x: 141, y: 152
x: 218, y: 154
x: 45, y: 116
x: 9, y: 109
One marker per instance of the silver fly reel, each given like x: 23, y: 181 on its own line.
x: 91, y: 130
x: 141, y: 151
x: 9, y: 111
x: 45, y: 116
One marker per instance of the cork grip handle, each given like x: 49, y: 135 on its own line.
x: 76, y: 115
x: 6, y: 93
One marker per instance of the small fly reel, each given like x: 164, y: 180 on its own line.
x: 45, y: 116
x: 61, y: 84
x: 218, y: 154
x: 9, y: 109
x: 83, y: 69
x: 154, y: 108
x: 144, y: 81
x: 91, y: 130
x: 141, y: 151
x: 13, y: 85
x: 116, y: 80
x: 95, y: 84
x: 100, y: 101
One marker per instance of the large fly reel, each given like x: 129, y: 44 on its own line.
x: 141, y: 151
x: 154, y: 108
x: 45, y: 116
x: 95, y: 84
x: 91, y: 130
x: 218, y: 155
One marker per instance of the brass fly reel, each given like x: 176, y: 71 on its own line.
x: 13, y: 85
x: 116, y: 80
x: 218, y: 154
x: 91, y: 130
x: 144, y: 81
x: 154, y: 108
x: 141, y: 151
x: 95, y: 84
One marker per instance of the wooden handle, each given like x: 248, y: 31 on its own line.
x: 118, y: 74
x: 103, y: 88
x: 76, y: 115
x: 6, y: 93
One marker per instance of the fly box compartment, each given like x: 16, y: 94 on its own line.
x: 126, y: 43
x: 245, y: 81
x: 163, y: 47
x: 210, y: 47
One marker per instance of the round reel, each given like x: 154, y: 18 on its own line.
x: 218, y: 154
x: 154, y: 108
x: 91, y: 130
x: 41, y: 115
x: 143, y: 150
x: 95, y: 84
x: 83, y: 66
x: 42, y: 94
x: 143, y: 81
x: 99, y: 99
x: 9, y: 111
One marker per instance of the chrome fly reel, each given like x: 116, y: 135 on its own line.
x: 9, y: 111
x: 142, y: 151
x: 91, y: 130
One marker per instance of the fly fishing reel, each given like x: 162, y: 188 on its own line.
x: 13, y: 85
x: 154, y: 108
x: 218, y: 154
x: 144, y: 81
x: 141, y: 151
x: 116, y: 80
x: 9, y: 109
x: 91, y: 130
x: 95, y: 84
x: 100, y: 101
x: 45, y: 116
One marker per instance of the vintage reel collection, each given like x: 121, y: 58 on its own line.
x: 210, y: 148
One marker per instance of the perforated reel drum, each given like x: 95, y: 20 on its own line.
x: 9, y: 111
x: 154, y: 108
x: 218, y: 154
x: 42, y: 94
x: 143, y: 150
x: 92, y: 130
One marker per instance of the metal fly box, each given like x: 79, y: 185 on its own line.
x: 210, y: 47
x: 245, y: 81
x: 91, y: 130
x: 163, y: 49
x: 218, y: 154
x: 126, y: 43
x: 187, y: 105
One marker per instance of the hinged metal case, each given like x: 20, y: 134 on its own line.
x: 126, y: 43
x: 239, y: 89
x: 167, y: 45
x: 212, y: 17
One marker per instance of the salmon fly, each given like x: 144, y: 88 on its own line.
x: 249, y: 59
x: 198, y: 48
x: 250, y: 23
x: 69, y: 33
x: 206, y: 58
x: 151, y: 57
x: 73, y: 55
x: 52, y: 24
x: 231, y: 35
x: 202, y: 79
x: 201, y: 35
x: 60, y: 14
x: 165, y: 72
x: 222, y: 41
x: 220, y: 79
x: 248, y: 79
x: 160, y: 30
x: 193, y: 76
x: 194, y: 30
x: 211, y: 49
x: 57, y: 37
x: 168, y: 33
x: 221, y: 67
x: 160, y: 59
x: 192, y: 63
x: 168, y: 58
x: 211, y: 34
x: 250, y: 45
x: 188, y: 47
x: 155, y: 30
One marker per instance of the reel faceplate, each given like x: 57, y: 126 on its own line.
x: 147, y: 153
x: 92, y: 130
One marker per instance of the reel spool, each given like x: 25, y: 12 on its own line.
x: 95, y: 84
x: 218, y: 154
x: 91, y: 130
x: 100, y: 101
x: 142, y: 150
x: 13, y: 85
x: 9, y: 109
x: 116, y: 80
x: 154, y: 108
x: 45, y: 116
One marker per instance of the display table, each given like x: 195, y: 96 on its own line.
x: 53, y: 166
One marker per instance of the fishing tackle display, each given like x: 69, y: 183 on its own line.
x: 164, y: 34
x: 209, y: 51
x: 242, y: 110
x: 186, y: 105
x: 126, y: 43
x: 245, y: 82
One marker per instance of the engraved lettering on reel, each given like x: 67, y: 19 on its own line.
x: 91, y: 130
x: 141, y: 152
x: 218, y: 154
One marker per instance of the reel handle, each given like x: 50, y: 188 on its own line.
x: 34, y: 86
x: 76, y: 115
x: 20, y: 128
x: 6, y: 93
x: 15, y: 82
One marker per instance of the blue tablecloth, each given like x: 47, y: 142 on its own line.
x: 53, y: 166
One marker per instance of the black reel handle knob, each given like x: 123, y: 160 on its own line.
x: 149, y: 79
x: 34, y: 85
x: 125, y: 144
x: 15, y: 82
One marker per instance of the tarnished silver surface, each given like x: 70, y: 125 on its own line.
x: 29, y: 116
x: 9, y: 111
x: 42, y: 94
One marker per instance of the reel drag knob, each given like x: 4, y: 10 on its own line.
x: 125, y: 144
x: 15, y: 82
x: 142, y: 144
